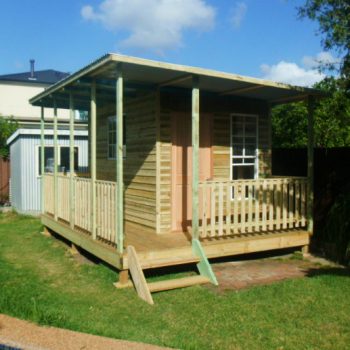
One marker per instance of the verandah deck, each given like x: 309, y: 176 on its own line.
x: 237, y: 217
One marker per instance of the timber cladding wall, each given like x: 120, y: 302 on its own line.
x: 140, y: 159
x: 220, y: 109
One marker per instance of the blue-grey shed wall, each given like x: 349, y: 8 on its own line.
x: 25, y: 180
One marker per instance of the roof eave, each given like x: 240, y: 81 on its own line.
x: 71, y: 78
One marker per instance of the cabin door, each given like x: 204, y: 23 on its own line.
x: 181, y: 194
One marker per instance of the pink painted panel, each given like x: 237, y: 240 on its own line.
x: 181, y: 196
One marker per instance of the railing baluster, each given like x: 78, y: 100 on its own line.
x: 205, y: 209
x: 250, y: 208
x: 221, y: 211
x: 257, y: 206
x: 264, y: 199
x: 212, y: 210
x: 228, y: 209
x: 297, y: 204
x: 303, y: 204
x: 235, y: 208
x: 290, y: 204
x: 285, y: 203
x: 243, y: 206
x: 271, y: 205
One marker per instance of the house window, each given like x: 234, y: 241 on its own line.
x: 244, y: 144
x: 112, y: 137
x: 63, y: 159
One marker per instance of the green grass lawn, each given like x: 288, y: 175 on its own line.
x: 41, y: 281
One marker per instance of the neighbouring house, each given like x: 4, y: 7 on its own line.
x: 15, y: 92
x: 179, y: 171
x: 25, y: 150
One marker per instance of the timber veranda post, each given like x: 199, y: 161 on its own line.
x: 55, y: 159
x: 195, y: 157
x: 42, y: 157
x: 93, y: 159
x: 119, y: 161
x: 310, y: 164
x: 71, y: 162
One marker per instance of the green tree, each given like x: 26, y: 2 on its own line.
x: 7, y: 127
x: 333, y: 17
x: 332, y: 119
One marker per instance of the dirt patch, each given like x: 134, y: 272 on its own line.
x: 241, y: 275
x: 25, y: 335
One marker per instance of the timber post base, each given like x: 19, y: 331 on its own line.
x: 74, y: 249
x: 46, y: 232
x: 305, y: 251
x: 124, y: 281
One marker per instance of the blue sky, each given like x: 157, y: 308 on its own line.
x: 261, y: 38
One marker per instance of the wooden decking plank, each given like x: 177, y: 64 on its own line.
x: 177, y: 283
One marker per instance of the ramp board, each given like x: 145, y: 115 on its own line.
x: 138, y: 277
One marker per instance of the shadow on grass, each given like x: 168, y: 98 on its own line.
x: 327, y: 271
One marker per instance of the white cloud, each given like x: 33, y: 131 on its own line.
x: 322, y: 58
x: 291, y: 73
x: 238, y: 13
x: 155, y: 25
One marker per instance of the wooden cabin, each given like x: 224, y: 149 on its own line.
x: 180, y: 168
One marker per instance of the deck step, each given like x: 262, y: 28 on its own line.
x: 177, y: 283
x: 168, y: 261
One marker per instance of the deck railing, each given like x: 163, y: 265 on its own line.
x: 105, y: 204
x: 248, y: 206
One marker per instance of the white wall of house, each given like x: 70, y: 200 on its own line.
x: 14, y: 101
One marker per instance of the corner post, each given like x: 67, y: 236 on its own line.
x: 55, y: 160
x: 310, y: 164
x: 71, y: 162
x: 42, y: 157
x: 93, y: 159
x: 119, y: 162
x: 195, y: 157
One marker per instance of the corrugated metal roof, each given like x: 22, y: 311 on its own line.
x: 47, y: 132
x: 138, y: 72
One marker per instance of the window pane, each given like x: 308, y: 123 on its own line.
x: 237, y: 150
x: 250, y: 151
x: 65, y: 159
x: 243, y: 172
x: 48, y: 164
x: 237, y: 160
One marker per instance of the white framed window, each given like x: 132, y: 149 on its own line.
x: 63, y: 159
x: 244, y: 146
x: 112, y: 138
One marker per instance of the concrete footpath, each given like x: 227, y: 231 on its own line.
x: 24, y: 335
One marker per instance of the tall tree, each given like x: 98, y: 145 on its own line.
x: 333, y: 17
x: 332, y: 119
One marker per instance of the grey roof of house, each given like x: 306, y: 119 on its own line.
x: 48, y: 76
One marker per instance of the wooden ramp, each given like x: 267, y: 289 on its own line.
x: 144, y: 289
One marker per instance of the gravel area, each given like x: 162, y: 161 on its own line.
x: 28, y: 336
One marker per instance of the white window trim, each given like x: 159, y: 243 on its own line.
x: 111, y: 117
x: 37, y: 147
x: 256, y: 163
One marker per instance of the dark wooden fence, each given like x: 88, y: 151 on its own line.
x: 4, y: 180
x: 332, y: 174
